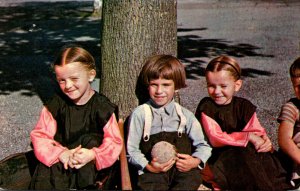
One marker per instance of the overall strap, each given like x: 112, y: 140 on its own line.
x: 182, y: 118
x: 148, y: 121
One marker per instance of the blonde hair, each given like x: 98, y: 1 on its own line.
x: 224, y: 63
x: 75, y: 54
x: 164, y: 66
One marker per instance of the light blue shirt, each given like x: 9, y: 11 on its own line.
x: 164, y: 119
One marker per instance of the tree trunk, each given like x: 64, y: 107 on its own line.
x: 133, y: 30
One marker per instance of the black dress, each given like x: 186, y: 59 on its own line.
x: 76, y: 125
x: 240, y: 168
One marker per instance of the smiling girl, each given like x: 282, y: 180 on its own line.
x: 77, y: 134
x: 242, y: 156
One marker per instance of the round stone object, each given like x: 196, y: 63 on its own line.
x: 163, y: 151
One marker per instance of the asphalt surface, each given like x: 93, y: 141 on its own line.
x: 264, y: 36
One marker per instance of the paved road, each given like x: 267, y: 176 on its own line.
x: 263, y: 35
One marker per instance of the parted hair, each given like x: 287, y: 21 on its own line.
x: 69, y: 54
x: 164, y: 66
x: 224, y: 63
x: 295, y: 68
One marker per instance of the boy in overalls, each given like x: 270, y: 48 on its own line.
x: 163, y: 119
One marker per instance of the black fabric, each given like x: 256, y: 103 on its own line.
x: 182, y: 144
x: 76, y: 120
x: 172, y: 179
x: 232, y: 117
x: 106, y: 179
x: 241, y: 168
x: 56, y: 177
x: 76, y: 125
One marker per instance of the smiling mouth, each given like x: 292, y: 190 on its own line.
x: 219, y: 97
x: 69, y: 91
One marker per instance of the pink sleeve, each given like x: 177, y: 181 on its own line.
x: 108, y: 152
x: 218, y: 138
x: 254, y: 126
x: 46, y: 149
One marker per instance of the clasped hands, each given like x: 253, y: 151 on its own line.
x: 261, y: 143
x: 183, y: 162
x: 76, y: 158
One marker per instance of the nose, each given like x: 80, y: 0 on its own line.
x: 68, y: 84
x: 159, y: 89
x: 217, y: 90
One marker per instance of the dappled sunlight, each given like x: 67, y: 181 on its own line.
x: 30, y: 36
x: 191, y: 48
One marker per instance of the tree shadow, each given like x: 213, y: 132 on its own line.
x: 192, y: 47
x: 30, y: 36
x: 32, y: 33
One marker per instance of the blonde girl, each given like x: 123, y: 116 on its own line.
x: 77, y: 134
x: 242, y: 152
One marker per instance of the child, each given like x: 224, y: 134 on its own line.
x: 77, y: 134
x: 289, y: 128
x: 161, y: 119
x: 241, y: 157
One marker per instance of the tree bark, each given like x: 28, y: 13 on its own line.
x: 133, y: 30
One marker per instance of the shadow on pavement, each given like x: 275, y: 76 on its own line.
x: 192, y: 46
x: 33, y: 32
x: 30, y: 36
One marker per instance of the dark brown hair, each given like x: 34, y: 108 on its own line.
x: 164, y: 66
x: 295, y: 69
x: 224, y: 63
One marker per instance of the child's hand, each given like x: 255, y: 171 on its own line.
x: 257, y: 141
x: 261, y: 144
x: 65, y: 157
x: 156, y: 167
x: 266, y: 146
x: 73, y: 161
x: 186, y: 162
x: 82, y: 156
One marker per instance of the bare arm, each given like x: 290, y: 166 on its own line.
x: 285, y: 140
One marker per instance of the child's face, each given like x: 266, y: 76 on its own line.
x: 296, y: 86
x: 221, y: 86
x: 73, y: 79
x: 161, y: 91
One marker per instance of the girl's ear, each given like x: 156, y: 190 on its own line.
x: 92, y: 75
x: 238, y: 85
